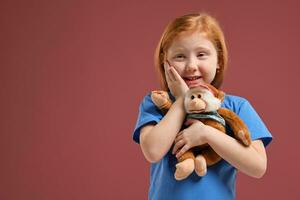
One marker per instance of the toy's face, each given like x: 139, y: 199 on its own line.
x: 199, y: 99
x: 195, y: 103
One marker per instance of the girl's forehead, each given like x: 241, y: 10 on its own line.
x: 195, y: 36
x: 188, y: 40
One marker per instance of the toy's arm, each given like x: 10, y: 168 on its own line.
x: 238, y: 127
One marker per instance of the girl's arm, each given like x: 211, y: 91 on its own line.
x: 156, y: 140
x: 251, y: 160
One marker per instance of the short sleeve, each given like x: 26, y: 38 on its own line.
x: 148, y: 114
x: 257, y: 128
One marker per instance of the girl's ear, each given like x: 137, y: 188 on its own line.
x: 218, y: 68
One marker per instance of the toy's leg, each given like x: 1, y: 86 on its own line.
x: 185, y: 165
x: 238, y: 127
x: 210, y: 156
x: 206, y: 158
x: 200, y: 165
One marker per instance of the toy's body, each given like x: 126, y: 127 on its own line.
x: 203, y: 103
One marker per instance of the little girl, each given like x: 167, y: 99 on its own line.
x: 192, y: 51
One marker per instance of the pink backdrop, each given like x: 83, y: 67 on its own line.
x: 74, y: 72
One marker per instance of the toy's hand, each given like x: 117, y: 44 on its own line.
x: 160, y: 98
x: 238, y: 127
x: 190, y: 137
x: 175, y: 83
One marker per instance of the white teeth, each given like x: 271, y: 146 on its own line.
x: 192, y: 78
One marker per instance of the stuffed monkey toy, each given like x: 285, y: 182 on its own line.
x: 203, y: 103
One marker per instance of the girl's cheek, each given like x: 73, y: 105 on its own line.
x: 179, y: 67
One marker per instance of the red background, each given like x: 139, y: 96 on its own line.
x: 74, y: 72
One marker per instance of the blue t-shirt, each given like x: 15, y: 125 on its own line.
x: 219, y: 181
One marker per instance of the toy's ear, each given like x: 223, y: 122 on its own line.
x: 221, y: 95
x: 218, y: 93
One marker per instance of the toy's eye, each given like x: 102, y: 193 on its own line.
x: 192, y: 97
x: 199, y: 96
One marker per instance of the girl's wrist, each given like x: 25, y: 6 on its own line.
x: 178, y: 105
x: 180, y: 96
x: 179, y: 99
x: 205, y: 130
x: 209, y: 132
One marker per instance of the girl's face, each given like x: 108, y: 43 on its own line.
x: 194, y: 57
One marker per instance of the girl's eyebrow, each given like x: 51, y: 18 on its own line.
x: 197, y: 49
x: 179, y: 49
x: 202, y: 48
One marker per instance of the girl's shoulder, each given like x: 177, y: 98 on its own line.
x: 234, y: 103
x: 147, y: 97
x: 229, y: 98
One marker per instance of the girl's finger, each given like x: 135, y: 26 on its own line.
x: 178, y: 137
x: 190, y: 121
x: 167, y: 73
x: 182, y: 151
x: 177, y: 146
x: 166, y: 65
x: 171, y: 73
x: 169, y: 68
x: 175, y: 74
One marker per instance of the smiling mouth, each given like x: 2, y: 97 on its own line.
x: 192, y: 81
x: 191, y: 78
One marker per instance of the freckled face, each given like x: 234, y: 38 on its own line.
x: 194, y: 57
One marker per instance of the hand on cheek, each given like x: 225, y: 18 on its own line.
x: 175, y: 83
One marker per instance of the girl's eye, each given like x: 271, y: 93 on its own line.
x: 201, y: 54
x: 192, y: 97
x: 199, y: 96
x: 180, y: 56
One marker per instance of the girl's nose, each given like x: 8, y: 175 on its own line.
x: 191, y: 65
